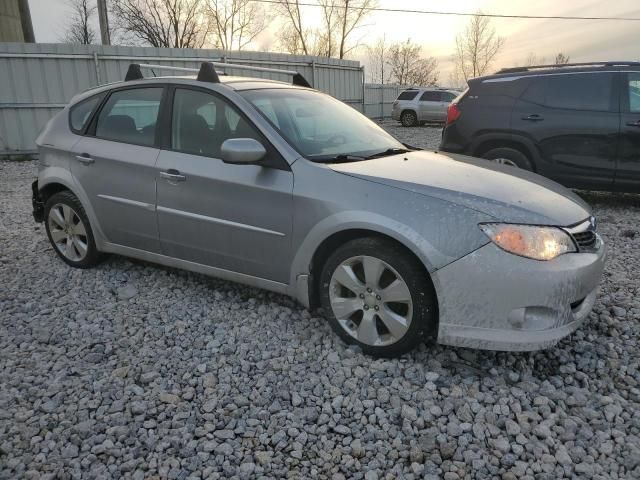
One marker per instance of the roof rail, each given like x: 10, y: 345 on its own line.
x: 207, y: 71
x: 563, y: 65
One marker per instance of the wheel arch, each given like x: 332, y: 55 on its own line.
x: 58, y: 180
x: 339, y: 238
x: 485, y: 143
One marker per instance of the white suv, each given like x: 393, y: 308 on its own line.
x: 420, y: 105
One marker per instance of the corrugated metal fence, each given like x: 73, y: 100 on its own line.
x: 36, y: 80
x: 378, y: 99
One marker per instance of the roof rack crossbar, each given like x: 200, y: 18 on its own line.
x: 563, y: 65
x: 207, y: 71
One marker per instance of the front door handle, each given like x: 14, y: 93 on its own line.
x: 534, y: 117
x: 85, y: 158
x: 173, y: 175
x: 633, y: 124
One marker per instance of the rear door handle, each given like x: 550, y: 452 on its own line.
x: 633, y: 124
x: 533, y: 118
x: 173, y: 175
x: 85, y: 158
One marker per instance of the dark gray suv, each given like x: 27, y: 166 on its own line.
x: 578, y: 124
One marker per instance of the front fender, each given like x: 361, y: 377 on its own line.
x: 431, y: 257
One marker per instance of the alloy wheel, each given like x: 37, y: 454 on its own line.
x: 504, y: 161
x: 370, y: 300
x: 68, y: 232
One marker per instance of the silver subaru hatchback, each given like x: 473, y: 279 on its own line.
x: 279, y: 186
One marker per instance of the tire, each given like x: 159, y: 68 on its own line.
x: 409, y: 119
x: 509, y: 156
x: 69, y: 231
x: 359, y: 314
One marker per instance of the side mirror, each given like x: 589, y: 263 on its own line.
x: 242, y: 151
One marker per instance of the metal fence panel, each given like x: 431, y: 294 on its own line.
x: 37, y: 80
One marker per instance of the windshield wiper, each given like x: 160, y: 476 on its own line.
x: 342, y: 158
x: 387, y: 152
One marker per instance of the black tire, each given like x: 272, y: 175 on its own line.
x: 517, y: 158
x: 424, y: 315
x: 409, y: 119
x: 92, y: 256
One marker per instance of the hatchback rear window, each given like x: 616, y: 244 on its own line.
x: 408, y: 95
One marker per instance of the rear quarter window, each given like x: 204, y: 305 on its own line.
x: 588, y: 91
x: 80, y: 113
x: 407, y: 95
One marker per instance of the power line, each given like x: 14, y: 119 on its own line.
x: 463, y: 14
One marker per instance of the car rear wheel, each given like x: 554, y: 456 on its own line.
x: 377, y: 296
x: 409, y: 119
x: 69, y: 231
x: 508, y: 156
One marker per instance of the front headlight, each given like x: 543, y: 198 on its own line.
x: 538, y: 243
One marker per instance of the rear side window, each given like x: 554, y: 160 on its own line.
x: 431, y: 97
x: 408, y: 95
x: 634, y: 92
x: 130, y: 116
x: 80, y: 113
x: 448, y: 96
x: 590, y: 91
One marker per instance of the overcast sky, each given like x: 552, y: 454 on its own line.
x: 582, y: 40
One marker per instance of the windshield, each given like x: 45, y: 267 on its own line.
x: 320, y: 127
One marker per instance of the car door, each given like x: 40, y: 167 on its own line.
x: 115, y: 165
x: 573, y: 121
x: 429, y: 106
x: 628, y: 173
x: 233, y: 217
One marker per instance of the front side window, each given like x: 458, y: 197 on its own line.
x: 430, y: 97
x: 634, y: 92
x: 201, y: 122
x: 81, y: 112
x: 590, y: 91
x: 319, y: 126
x: 130, y: 116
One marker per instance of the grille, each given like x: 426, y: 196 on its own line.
x: 585, y: 239
x: 584, y: 235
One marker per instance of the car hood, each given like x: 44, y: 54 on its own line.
x: 506, y: 193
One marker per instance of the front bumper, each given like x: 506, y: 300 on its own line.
x: 494, y: 300
x: 37, y: 203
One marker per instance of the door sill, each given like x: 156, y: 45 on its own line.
x: 196, y: 267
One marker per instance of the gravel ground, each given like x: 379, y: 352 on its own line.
x: 132, y: 370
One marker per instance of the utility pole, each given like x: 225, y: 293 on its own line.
x: 25, y: 18
x: 103, y: 17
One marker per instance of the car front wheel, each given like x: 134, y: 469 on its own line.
x: 69, y: 230
x: 376, y: 295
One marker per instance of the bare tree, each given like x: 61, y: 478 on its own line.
x: 408, y: 67
x: 561, y: 59
x: 235, y: 24
x: 163, y: 23
x: 532, y: 60
x: 293, y: 36
x: 79, y: 29
x: 340, y: 19
x: 351, y: 13
x: 378, y: 58
x: 477, y: 47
